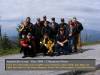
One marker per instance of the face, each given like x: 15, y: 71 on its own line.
x: 74, y: 20
x: 45, y: 36
x: 62, y: 21
x: 44, y: 18
x: 28, y: 37
x: 61, y: 32
x: 69, y: 22
x: 25, y: 23
x: 28, y: 19
x: 23, y: 36
x: 38, y: 20
x: 53, y: 19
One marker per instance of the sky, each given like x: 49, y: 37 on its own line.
x: 12, y: 12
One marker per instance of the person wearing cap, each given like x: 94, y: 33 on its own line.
x: 63, y: 24
x: 44, y: 20
x: 76, y: 34
x: 54, y: 28
x: 61, y: 46
x: 28, y: 45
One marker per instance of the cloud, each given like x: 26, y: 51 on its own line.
x: 87, y: 11
x: 22, y: 8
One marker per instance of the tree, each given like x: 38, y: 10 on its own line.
x: 5, y: 42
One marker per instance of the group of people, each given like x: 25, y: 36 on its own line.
x: 49, y: 37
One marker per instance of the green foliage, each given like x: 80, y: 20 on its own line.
x: 9, y: 51
x: 90, y: 43
x: 6, y: 43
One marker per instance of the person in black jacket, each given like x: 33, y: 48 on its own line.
x: 46, y: 29
x: 76, y: 34
x: 38, y: 34
x: 54, y: 28
x: 26, y: 27
x: 29, y: 26
x: 63, y: 24
x: 61, y: 46
x: 44, y: 19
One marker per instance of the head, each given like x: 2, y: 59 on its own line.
x: 62, y: 20
x: 74, y: 19
x: 44, y: 18
x: 28, y: 19
x: 61, y: 30
x: 23, y: 36
x: 38, y: 20
x: 29, y: 36
x: 45, y: 35
x: 22, y: 23
x: 25, y: 23
x: 53, y: 19
x: 70, y: 22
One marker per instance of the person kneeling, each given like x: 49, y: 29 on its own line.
x: 28, y: 45
x: 47, y: 45
x: 61, y: 46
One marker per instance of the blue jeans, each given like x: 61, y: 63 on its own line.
x: 59, y: 49
x: 71, y: 43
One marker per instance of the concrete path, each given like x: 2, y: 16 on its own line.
x: 88, y: 52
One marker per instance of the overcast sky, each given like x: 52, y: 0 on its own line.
x: 87, y: 11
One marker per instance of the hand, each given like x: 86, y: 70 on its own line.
x: 70, y: 34
x: 30, y: 46
x: 61, y: 44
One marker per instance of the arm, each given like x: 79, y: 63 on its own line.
x: 21, y: 28
x: 65, y: 41
x: 22, y: 43
x: 58, y: 42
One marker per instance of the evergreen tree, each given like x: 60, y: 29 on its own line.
x: 6, y: 43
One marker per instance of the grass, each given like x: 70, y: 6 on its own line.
x: 17, y: 50
x: 90, y: 43
x: 9, y: 51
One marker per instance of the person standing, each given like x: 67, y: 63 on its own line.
x: 38, y: 34
x: 44, y: 20
x: 25, y: 27
x: 76, y: 34
x: 46, y: 29
x: 29, y: 26
x: 54, y: 28
x: 63, y: 24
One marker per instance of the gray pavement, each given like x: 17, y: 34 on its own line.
x: 88, y: 52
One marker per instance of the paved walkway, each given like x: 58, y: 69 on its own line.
x: 88, y: 52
